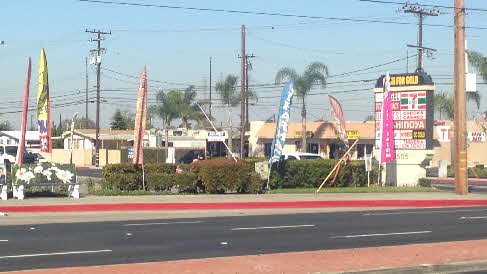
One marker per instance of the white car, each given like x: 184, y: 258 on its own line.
x: 300, y: 156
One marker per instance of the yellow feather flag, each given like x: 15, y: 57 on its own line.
x: 43, y: 105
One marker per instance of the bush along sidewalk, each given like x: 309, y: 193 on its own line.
x: 223, y: 175
x: 311, y: 173
x: 219, y: 175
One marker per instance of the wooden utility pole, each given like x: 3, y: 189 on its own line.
x: 209, y: 109
x: 242, y: 95
x: 421, y: 13
x: 86, y: 91
x: 461, y: 171
x: 248, y: 66
x: 97, y: 51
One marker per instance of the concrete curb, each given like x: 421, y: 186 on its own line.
x: 456, y: 267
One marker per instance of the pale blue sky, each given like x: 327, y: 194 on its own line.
x: 176, y: 46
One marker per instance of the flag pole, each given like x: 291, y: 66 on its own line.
x: 337, y: 164
x: 233, y: 156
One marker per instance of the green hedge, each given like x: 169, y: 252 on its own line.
x: 473, y: 172
x: 224, y: 175
x: 311, y: 173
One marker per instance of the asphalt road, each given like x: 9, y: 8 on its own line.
x: 82, y: 244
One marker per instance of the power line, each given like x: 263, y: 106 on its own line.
x: 424, y: 5
x: 268, y: 14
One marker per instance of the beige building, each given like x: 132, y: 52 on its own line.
x: 322, y: 138
x: 476, y: 142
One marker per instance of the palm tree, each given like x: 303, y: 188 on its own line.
x: 316, y: 72
x: 227, y: 90
x: 445, y: 103
x: 189, y: 109
x: 479, y: 62
x: 168, y: 109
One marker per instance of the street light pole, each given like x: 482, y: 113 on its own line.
x: 72, y: 135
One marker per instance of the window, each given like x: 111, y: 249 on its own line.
x: 2, y: 151
x: 11, y: 150
x: 298, y: 145
x: 313, y: 148
x: 8, y: 141
x: 267, y: 149
x: 360, y: 151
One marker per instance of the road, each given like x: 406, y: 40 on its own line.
x: 101, y: 243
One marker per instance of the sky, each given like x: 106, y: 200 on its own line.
x: 176, y: 46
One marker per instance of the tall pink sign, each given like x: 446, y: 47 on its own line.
x: 388, y: 151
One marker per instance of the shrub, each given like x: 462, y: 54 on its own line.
x: 424, y: 182
x: 159, y: 181
x: 311, y: 173
x: 187, y: 182
x: 220, y: 175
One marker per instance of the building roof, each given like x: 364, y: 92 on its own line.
x: 105, y: 134
x: 366, y: 130
x: 29, y: 135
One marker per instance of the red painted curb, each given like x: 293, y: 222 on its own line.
x: 242, y: 205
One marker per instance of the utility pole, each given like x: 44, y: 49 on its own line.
x: 461, y: 172
x: 86, y: 88
x: 421, y: 13
x: 210, y: 89
x: 242, y: 95
x: 98, y: 51
x: 248, y: 66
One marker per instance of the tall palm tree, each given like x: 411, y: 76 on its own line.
x: 316, y: 72
x: 189, y: 108
x: 168, y: 109
x: 445, y: 103
x: 227, y: 90
x: 479, y: 62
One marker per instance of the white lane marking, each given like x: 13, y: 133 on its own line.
x: 128, y: 234
x: 381, y: 234
x: 478, y: 217
x: 173, y: 223
x: 270, y: 227
x: 423, y: 212
x: 32, y: 228
x: 3, y: 240
x: 224, y: 243
x: 53, y: 254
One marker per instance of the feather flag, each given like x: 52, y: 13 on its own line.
x: 140, y: 119
x: 23, y: 125
x: 44, y: 106
x: 387, y: 149
x: 337, y: 111
x: 282, y: 123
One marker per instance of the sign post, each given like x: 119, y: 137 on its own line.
x: 368, y: 167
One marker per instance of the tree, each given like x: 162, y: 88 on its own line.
x: 444, y: 104
x: 316, y: 72
x: 5, y: 126
x: 189, y: 108
x: 227, y: 90
x: 479, y: 62
x: 168, y: 109
x: 118, y: 121
x: 129, y: 118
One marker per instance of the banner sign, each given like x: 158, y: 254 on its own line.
x: 443, y: 133
x: 23, y: 124
x: 387, y: 151
x: 140, y: 120
x: 353, y: 134
x: 476, y: 136
x: 337, y: 111
x: 412, y: 113
x: 282, y: 122
x: 43, y: 106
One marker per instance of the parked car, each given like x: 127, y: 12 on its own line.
x: 300, y: 156
x: 8, y: 156
x: 193, y: 155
